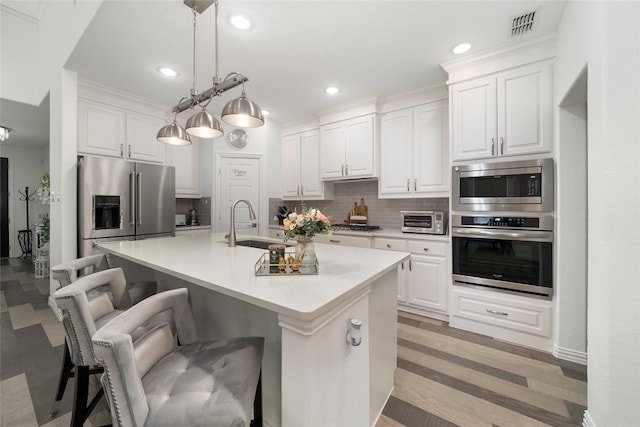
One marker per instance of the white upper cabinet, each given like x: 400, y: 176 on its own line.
x: 504, y: 114
x: 117, y: 125
x: 414, y: 154
x: 186, y: 160
x: 348, y: 149
x: 301, y: 167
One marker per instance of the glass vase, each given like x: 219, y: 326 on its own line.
x: 304, y: 246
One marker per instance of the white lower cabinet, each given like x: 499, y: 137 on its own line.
x: 344, y: 240
x: 422, y: 286
x: 515, y: 318
x: 276, y: 233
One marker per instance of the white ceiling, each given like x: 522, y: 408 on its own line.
x: 296, y: 48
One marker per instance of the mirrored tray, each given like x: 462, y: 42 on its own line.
x: 264, y: 268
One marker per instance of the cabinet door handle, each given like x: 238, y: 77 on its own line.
x: 334, y: 241
x: 121, y: 150
x: 408, y: 184
x: 493, y: 143
x: 388, y: 245
x: 129, y: 150
x: 415, y: 184
x: 410, y: 269
x: 501, y: 145
x: 426, y: 249
x: 499, y: 313
x: 342, y: 171
x: 302, y: 190
x: 346, y: 170
x: 402, y: 265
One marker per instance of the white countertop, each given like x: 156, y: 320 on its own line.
x: 205, y: 259
x: 384, y: 232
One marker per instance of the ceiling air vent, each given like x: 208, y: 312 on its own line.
x: 523, y: 24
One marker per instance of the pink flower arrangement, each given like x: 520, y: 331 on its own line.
x: 306, y: 224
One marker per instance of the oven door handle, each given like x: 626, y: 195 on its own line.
x: 536, y: 236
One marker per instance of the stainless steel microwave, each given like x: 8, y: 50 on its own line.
x: 424, y: 222
x: 524, y: 185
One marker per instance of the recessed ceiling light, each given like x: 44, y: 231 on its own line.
x: 461, y: 48
x: 167, y: 72
x: 332, y: 90
x: 240, y: 21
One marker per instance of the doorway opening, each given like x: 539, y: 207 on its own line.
x: 572, y: 223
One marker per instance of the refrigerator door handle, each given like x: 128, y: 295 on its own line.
x: 139, y: 198
x: 132, y: 198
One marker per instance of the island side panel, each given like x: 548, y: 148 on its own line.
x: 219, y: 316
x: 325, y: 380
x: 383, y: 337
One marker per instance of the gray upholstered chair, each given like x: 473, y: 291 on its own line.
x: 67, y: 273
x: 154, y: 381
x: 85, y: 305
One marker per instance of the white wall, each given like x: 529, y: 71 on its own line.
x: 604, y: 35
x: 26, y: 166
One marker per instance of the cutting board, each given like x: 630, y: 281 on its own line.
x: 359, y: 213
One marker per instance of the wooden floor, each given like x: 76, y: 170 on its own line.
x: 450, y: 377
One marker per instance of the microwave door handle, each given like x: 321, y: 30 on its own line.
x: 139, y: 197
x: 132, y: 198
x: 539, y: 236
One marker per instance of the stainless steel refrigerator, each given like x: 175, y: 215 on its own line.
x: 123, y: 200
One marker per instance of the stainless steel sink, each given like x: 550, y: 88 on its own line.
x: 254, y: 244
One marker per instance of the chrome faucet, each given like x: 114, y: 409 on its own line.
x: 232, y: 228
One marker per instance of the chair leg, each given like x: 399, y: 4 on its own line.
x: 66, y: 372
x: 81, y: 411
x: 257, y: 405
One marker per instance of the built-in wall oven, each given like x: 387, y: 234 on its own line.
x: 505, y: 253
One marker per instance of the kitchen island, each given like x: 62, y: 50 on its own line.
x: 311, y: 375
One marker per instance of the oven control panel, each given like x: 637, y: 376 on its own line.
x: 536, y: 222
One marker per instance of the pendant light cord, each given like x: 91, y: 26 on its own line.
x: 216, y: 79
x: 194, y: 91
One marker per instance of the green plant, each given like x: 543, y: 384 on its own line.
x: 45, y: 229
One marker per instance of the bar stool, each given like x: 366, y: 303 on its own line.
x: 85, y: 305
x: 154, y: 381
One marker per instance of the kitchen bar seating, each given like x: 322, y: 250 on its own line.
x: 85, y: 306
x: 153, y: 381
x: 67, y: 273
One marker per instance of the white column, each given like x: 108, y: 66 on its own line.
x: 63, y: 128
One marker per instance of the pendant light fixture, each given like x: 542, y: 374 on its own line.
x: 174, y: 134
x: 241, y: 112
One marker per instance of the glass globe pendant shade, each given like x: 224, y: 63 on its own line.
x: 242, y: 112
x: 173, y: 134
x: 204, y: 125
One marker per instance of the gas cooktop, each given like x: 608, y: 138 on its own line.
x: 354, y: 227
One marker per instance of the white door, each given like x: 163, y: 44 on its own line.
x: 238, y: 178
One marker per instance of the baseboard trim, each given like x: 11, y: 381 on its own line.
x: 587, y: 421
x: 570, y: 355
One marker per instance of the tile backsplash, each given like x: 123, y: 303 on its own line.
x: 202, y: 205
x: 382, y: 212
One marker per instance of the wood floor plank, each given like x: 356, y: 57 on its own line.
x: 499, y: 399
x: 540, y: 371
x: 482, y: 380
x: 454, y: 405
x: 385, y: 421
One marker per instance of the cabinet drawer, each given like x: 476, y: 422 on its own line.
x: 390, y: 244
x: 276, y: 234
x: 515, y: 313
x: 356, y: 241
x: 427, y: 247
